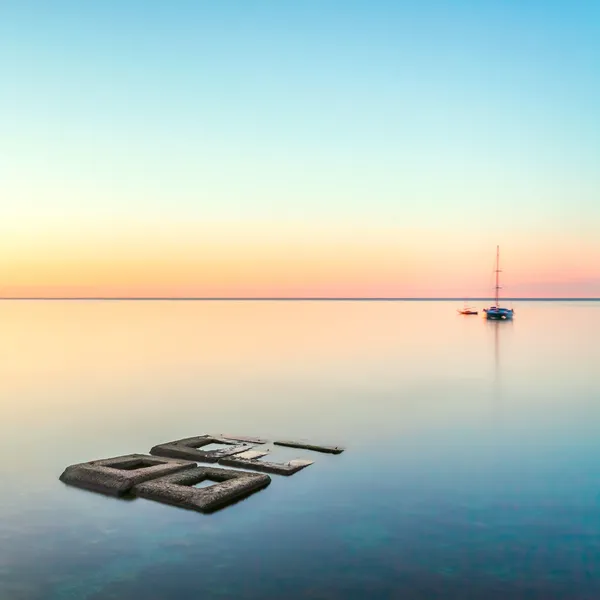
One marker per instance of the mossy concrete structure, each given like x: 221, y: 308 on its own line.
x: 191, y: 448
x: 314, y: 447
x: 178, y: 489
x: 117, y: 476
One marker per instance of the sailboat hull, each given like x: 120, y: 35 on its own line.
x: 498, y: 314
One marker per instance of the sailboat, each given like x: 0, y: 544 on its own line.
x: 496, y: 313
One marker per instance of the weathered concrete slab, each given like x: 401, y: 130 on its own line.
x: 178, y: 490
x: 252, y: 454
x: 243, y: 438
x: 191, y: 448
x: 305, y: 446
x: 116, y: 476
x: 288, y: 468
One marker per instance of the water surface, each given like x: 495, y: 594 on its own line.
x: 471, y: 470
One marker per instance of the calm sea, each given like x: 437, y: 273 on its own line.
x: 472, y: 467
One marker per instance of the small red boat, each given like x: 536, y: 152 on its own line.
x: 467, y: 310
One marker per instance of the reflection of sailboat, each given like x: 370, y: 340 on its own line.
x: 496, y: 355
x: 495, y: 313
x: 497, y: 378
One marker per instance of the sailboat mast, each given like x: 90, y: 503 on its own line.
x: 497, y: 271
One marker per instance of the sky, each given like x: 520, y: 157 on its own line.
x: 303, y: 148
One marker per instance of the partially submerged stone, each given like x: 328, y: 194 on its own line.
x: 251, y: 462
x: 252, y: 454
x: 243, y: 438
x: 305, y: 446
x: 178, y: 489
x: 191, y: 448
x: 116, y: 476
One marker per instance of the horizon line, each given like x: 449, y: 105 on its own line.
x: 300, y: 298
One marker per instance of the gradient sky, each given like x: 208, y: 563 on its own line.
x: 299, y: 148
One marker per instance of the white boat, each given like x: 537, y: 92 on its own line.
x: 497, y: 313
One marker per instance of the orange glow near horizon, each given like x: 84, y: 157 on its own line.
x: 288, y: 262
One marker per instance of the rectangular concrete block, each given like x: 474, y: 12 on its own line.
x: 243, y: 438
x: 252, y: 454
x: 178, y: 489
x: 306, y: 446
x: 191, y: 448
x: 117, y: 476
x: 288, y: 468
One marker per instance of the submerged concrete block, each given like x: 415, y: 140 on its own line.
x: 178, y: 489
x: 252, y: 454
x: 250, y: 462
x: 303, y: 445
x: 116, y: 476
x: 243, y: 438
x: 191, y: 448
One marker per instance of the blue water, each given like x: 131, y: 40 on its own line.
x: 471, y: 468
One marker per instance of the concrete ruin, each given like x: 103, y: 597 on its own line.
x: 315, y: 448
x: 191, y: 448
x: 242, y: 438
x: 249, y: 460
x: 178, y: 489
x: 169, y: 474
x: 117, y: 476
